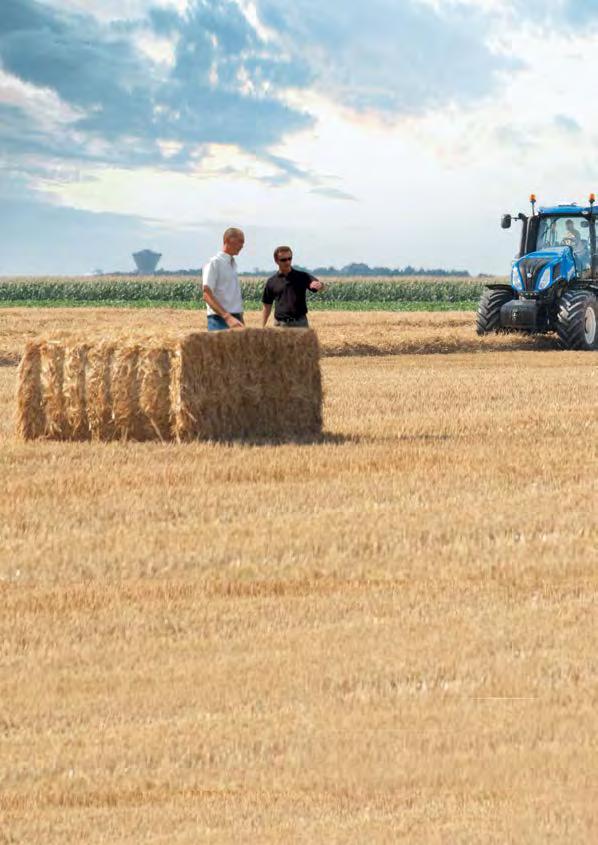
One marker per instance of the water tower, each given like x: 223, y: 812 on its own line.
x: 146, y: 261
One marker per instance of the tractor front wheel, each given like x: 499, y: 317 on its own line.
x: 491, y: 302
x: 577, y: 320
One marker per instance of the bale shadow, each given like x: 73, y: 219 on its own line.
x: 328, y: 438
x: 325, y: 438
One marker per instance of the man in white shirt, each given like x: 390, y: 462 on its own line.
x: 221, y: 288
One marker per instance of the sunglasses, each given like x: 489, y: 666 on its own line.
x: 284, y: 260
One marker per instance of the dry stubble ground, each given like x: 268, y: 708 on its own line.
x: 386, y: 636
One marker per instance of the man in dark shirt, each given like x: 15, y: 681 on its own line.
x: 287, y: 289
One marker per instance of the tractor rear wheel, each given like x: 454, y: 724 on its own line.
x: 577, y: 320
x: 491, y: 302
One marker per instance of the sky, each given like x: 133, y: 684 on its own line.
x: 391, y: 132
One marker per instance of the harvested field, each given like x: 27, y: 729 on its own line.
x: 389, y: 635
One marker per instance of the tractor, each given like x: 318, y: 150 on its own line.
x: 554, y: 278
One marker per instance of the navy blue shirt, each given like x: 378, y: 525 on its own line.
x: 288, y: 292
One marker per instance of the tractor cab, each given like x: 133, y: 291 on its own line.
x: 558, y: 246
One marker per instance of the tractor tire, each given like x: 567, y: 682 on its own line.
x: 577, y: 320
x: 491, y: 302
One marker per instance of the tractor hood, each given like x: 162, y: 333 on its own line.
x: 554, y: 253
x: 529, y: 272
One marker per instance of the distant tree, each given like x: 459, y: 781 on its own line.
x: 325, y: 271
x: 356, y: 269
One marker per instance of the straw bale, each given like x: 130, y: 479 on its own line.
x: 75, y: 393
x: 253, y: 383
x: 99, y: 393
x: 52, y: 381
x: 220, y: 386
x: 31, y: 419
x: 126, y: 412
x: 154, y: 366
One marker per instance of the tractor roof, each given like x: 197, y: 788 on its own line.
x: 569, y: 209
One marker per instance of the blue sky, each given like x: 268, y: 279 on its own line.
x: 391, y: 132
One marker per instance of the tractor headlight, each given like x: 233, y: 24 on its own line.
x: 544, y: 279
x: 516, y: 279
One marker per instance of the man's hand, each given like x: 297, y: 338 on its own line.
x: 316, y: 285
x: 232, y: 322
x: 211, y: 300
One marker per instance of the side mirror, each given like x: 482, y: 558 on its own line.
x: 505, y: 223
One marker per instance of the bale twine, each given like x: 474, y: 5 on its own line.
x: 221, y: 386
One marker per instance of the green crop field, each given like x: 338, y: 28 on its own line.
x: 401, y: 293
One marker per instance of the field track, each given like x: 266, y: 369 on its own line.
x: 389, y: 635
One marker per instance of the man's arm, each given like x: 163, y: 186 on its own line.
x: 211, y: 300
x: 267, y: 301
x: 315, y: 285
x: 266, y: 311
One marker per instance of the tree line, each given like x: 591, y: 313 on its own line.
x: 355, y: 269
x: 359, y: 269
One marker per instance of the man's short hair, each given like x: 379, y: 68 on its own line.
x: 232, y: 233
x: 280, y: 249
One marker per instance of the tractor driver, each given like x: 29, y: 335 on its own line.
x: 572, y: 237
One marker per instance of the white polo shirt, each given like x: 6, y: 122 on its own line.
x: 220, y: 275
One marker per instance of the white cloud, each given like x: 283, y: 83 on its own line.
x: 116, y: 10
x: 251, y: 14
x: 429, y: 187
x: 43, y: 106
x: 169, y: 148
x: 160, y: 50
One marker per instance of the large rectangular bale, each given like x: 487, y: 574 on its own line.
x: 208, y: 386
x: 252, y: 383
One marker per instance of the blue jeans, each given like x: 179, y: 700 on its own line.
x: 217, y: 323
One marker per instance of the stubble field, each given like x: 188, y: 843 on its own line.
x: 389, y: 635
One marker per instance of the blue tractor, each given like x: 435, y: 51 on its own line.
x: 554, y: 278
